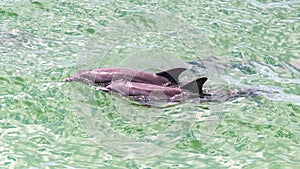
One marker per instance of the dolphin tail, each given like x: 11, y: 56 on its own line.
x: 195, y: 85
x: 172, y: 74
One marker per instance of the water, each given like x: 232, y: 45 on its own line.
x: 46, y: 123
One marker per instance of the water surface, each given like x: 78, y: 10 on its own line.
x: 45, y: 123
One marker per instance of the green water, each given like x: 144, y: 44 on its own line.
x: 45, y: 123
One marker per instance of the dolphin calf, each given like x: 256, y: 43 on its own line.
x: 107, y: 75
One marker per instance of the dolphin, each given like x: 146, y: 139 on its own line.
x: 107, y: 75
x: 148, y: 93
x: 144, y: 92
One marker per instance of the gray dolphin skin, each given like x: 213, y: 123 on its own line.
x: 107, y: 75
x: 144, y: 92
x: 147, y: 88
x: 147, y: 93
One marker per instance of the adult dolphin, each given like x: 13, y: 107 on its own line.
x: 107, y: 75
x: 140, y: 91
x: 145, y: 93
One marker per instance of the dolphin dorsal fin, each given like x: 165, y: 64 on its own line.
x: 172, y: 74
x: 195, y: 85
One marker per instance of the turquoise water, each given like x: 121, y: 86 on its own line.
x: 46, y: 123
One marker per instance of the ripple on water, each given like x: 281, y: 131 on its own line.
x: 46, y: 123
